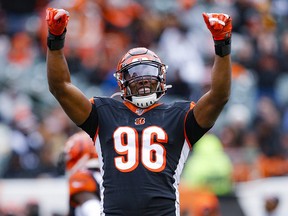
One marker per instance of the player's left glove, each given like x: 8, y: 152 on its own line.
x: 220, y: 26
x: 57, y: 20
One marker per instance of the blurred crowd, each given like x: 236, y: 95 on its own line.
x: 253, y: 129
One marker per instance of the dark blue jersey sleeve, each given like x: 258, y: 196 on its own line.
x: 91, y: 123
x: 193, y: 130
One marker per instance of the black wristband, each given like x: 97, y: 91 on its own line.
x: 56, y: 42
x: 223, y: 47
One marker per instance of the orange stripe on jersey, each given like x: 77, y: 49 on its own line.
x: 192, y: 104
x: 96, y: 134
x: 81, y: 181
x: 92, y: 100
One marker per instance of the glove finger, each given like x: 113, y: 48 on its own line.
x: 218, y: 26
x: 206, y: 18
x: 225, y: 17
x: 62, y: 21
x: 61, y: 13
x: 49, y: 15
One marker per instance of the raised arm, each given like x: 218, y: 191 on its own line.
x: 71, y: 99
x: 210, y: 105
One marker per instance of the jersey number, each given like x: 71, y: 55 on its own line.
x: 152, y: 153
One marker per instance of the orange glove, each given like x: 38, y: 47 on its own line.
x: 219, y: 24
x: 57, y: 20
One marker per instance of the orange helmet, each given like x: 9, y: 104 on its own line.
x: 138, y: 64
x: 79, y: 150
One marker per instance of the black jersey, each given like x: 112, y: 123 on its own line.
x: 142, y: 153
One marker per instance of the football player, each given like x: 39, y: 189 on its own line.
x: 142, y: 143
x: 83, y: 173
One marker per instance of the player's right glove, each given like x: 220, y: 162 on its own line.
x: 57, y: 20
x: 220, y: 26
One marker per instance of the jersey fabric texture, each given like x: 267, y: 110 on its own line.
x: 142, y: 153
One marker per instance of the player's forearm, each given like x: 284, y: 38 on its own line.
x: 221, y: 79
x: 57, y: 71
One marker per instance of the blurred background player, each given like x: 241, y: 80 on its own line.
x: 83, y: 172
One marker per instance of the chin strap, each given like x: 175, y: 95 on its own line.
x: 144, y: 101
x: 148, y: 100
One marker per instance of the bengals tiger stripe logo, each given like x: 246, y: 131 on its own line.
x: 140, y: 121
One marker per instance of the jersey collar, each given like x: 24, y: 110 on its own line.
x: 137, y: 110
